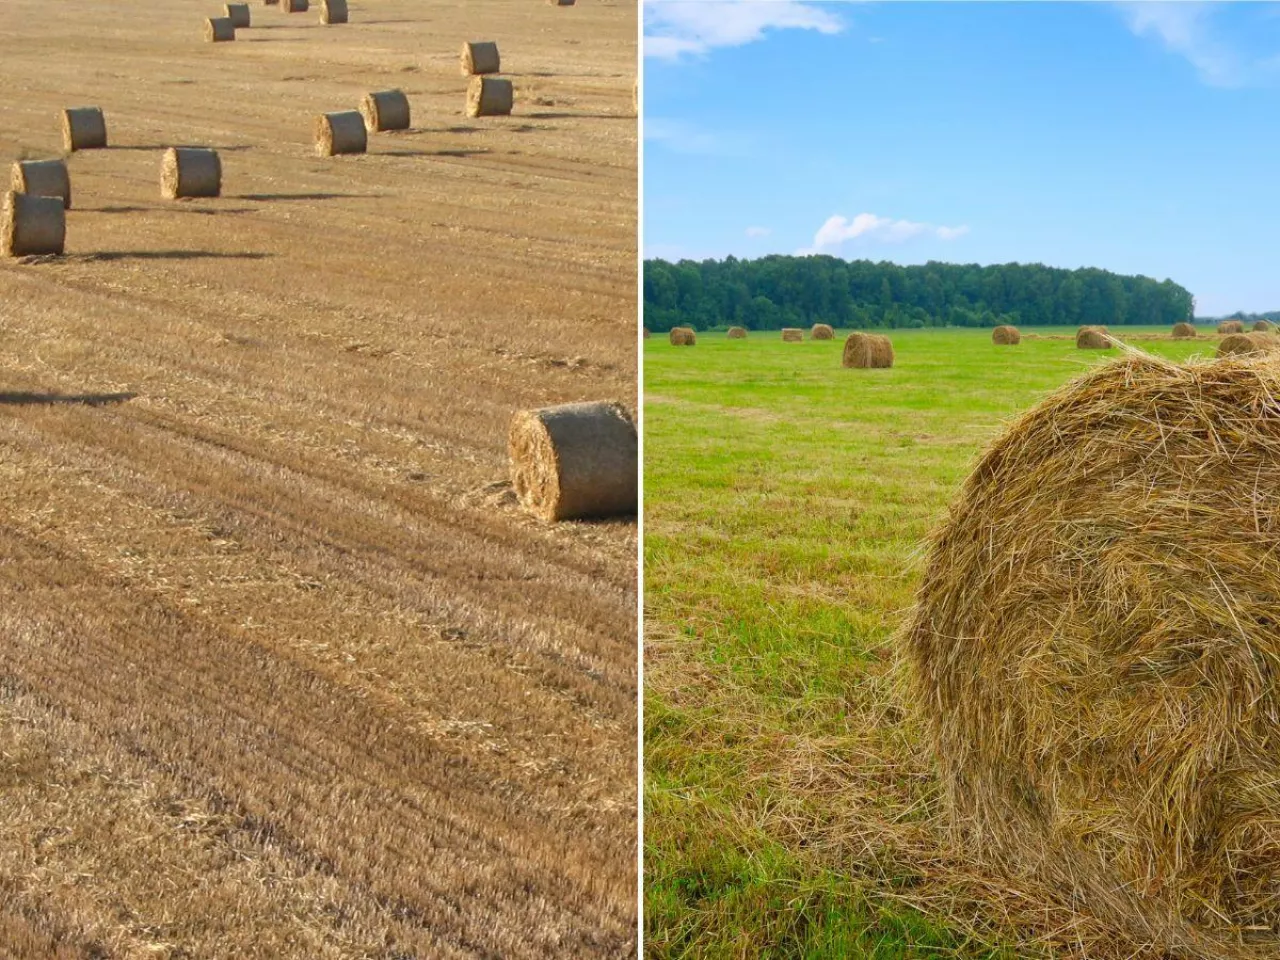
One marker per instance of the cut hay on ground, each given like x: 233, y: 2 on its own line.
x: 1231, y: 326
x: 342, y: 132
x: 480, y: 56
x: 682, y: 337
x: 1184, y: 331
x: 792, y: 335
x: 219, y: 30
x: 385, y: 110
x: 575, y: 461
x: 43, y: 178
x: 1094, y: 652
x: 190, y: 172
x: 736, y: 333
x: 1264, y: 326
x: 333, y: 11
x: 489, y: 97
x: 1248, y: 343
x: 1006, y: 336
x: 867, y: 351
x: 822, y: 331
x: 1093, y: 338
x: 32, y: 225
x: 239, y: 15
x: 83, y: 128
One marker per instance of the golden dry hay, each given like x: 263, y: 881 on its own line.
x: 341, y: 132
x: 736, y: 333
x: 83, y: 128
x: 32, y: 225
x: 1095, y: 655
x: 1248, y: 343
x: 822, y: 331
x: 239, y: 15
x: 1093, y: 338
x: 1184, y: 331
x: 1264, y: 326
x: 480, y: 56
x: 385, y: 110
x: 792, y: 335
x: 334, y: 11
x: 190, y: 172
x: 1006, y: 336
x: 682, y: 337
x: 575, y: 461
x: 44, y: 178
x: 867, y: 351
x: 219, y: 30
x: 489, y: 97
x: 1231, y: 326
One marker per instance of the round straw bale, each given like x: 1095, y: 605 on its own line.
x: 1006, y: 336
x: 822, y: 331
x: 1264, y: 326
x: 341, y: 132
x: 333, y: 11
x: 83, y: 128
x: 385, y: 110
x: 682, y: 337
x: 561, y: 3
x: 1094, y: 652
x: 867, y: 350
x: 294, y: 6
x: 1093, y: 338
x: 1184, y: 331
x: 1231, y: 326
x: 489, y: 97
x: 736, y: 333
x: 190, y: 172
x: 239, y: 15
x: 480, y: 56
x: 1247, y: 343
x: 44, y: 178
x: 575, y: 460
x: 792, y: 335
x: 219, y: 30
x: 32, y: 226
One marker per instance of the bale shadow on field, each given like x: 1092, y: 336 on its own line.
x: 15, y: 399
x: 269, y: 197
x: 432, y: 153
x: 110, y: 256
x: 579, y: 116
x: 149, y: 147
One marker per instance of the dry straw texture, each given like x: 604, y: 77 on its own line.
x: 83, y: 128
x: 1184, y: 331
x: 44, y: 178
x: 342, y: 132
x: 385, y: 110
x: 867, y: 350
x: 1006, y: 336
x: 32, y: 226
x: 1248, y: 343
x: 219, y: 30
x: 239, y: 15
x: 489, y: 97
x: 190, y: 172
x: 1231, y: 326
x: 1095, y: 652
x: 1094, y: 338
x: 792, y: 335
x: 333, y: 11
x: 575, y: 461
x: 479, y: 57
x: 822, y: 331
x: 682, y: 337
x: 1264, y: 326
x: 737, y: 333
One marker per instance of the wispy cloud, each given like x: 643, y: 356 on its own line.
x: 869, y: 227
x: 1186, y: 29
x: 675, y: 28
x: 683, y: 136
x: 757, y: 232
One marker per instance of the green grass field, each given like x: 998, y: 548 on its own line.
x: 790, y: 809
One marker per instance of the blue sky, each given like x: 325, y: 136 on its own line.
x: 1141, y: 138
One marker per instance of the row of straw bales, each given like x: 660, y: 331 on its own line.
x: 238, y: 16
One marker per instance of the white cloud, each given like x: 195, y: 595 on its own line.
x: 867, y: 226
x: 755, y: 232
x: 674, y: 28
x: 1184, y: 29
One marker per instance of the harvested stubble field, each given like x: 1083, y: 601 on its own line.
x: 283, y: 669
x: 791, y: 807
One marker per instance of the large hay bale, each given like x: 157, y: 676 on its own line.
x: 792, y: 335
x: 341, y: 132
x: 480, y: 56
x: 294, y: 6
x: 219, y: 30
x: 334, y: 11
x: 42, y: 178
x: 1184, y: 331
x: 736, y: 333
x: 83, y: 128
x: 1264, y: 326
x: 1093, y: 338
x: 682, y: 337
x: 1248, y: 343
x: 867, y: 351
x: 489, y: 97
x: 1095, y: 654
x: 822, y: 331
x: 1231, y: 326
x: 385, y: 110
x: 576, y: 460
x: 190, y: 172
x: 32, y: 225
x: 239, y: 15
x: 1006, y: 336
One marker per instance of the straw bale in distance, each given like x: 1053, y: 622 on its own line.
x: 32, y: 226
x: 190, y: 172
x: 1006, y: 336
x: 1093, y: 338
x: 219, y: 30
x: 646, y: 333
x: 341, y: 132
x: 489, y: 97
x: 1247, y: 343
x: 44, y: 178
x: 1094, y: 651
x: 83, y: 128
x: 480, y: 56
x: 333, y: 11
x: 294, y: 6
x: 822, y: 331
x: 682, y: 337
x: 736, y: 333
x: 385, y: 110
x: 576, y: 460
x: 867, y: 351
x: 239, y: 15
x: 1231, y: 326
x: 1264, y: 326
x: 792, y: 335
x: 1184, y: 331
x: 561, y: 3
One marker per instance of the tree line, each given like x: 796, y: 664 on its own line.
x: 786, y: 291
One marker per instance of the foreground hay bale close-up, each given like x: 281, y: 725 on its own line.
x: 1248, y: 343
x: 190, y: 172
x: 480, y: 56
x: 83, y: 128
x: 867, y: 351
x: 682, y: 337
x: 385, y: 110
x: 239, y: 15
x: 575, y: 461
x: 822, y: 331
x: 342, y: 132
x: 1264, y: 326
x: 736, y: 333
x: 1093, y: 338
x: 334, y: 11
x: 489, y: 97
x: 31, y: 225
x: 219, y: 30
x: 1006, y: 336
x: 1094, y: 652
x: 1184, y: 331
x: 43, y: 178
x: 792, y: 335
x: 1231, y: 326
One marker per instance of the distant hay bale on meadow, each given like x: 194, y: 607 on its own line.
x: 83, y: 128
x: 239, y: 15
x: 294, y: 6
x: 190, y: 172
x: 219, y: 30
x: 736, y: 333
x: 561, y: 3
x: 385, y: 110
x: 1248, y: 343
x: 42, y: 178
x: 1093, y: 338
x: 867, y: 351
x: 1094, y: 653
x: 1231, y: 326
x: 682, y: 337
x: 489, y: 97
x: 1006, y: 336
x: 822, y: 331
x: 1184, y: 331
x: 334, y: 11
x: 646, y: 333
x: 342, y: 132
x: 480, y: 56
x: 31, y: 225
x: 792, y: 335
x: 575, y: 461
x: 1264, y: 326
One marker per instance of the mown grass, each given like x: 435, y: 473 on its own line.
x: 790, y: 810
